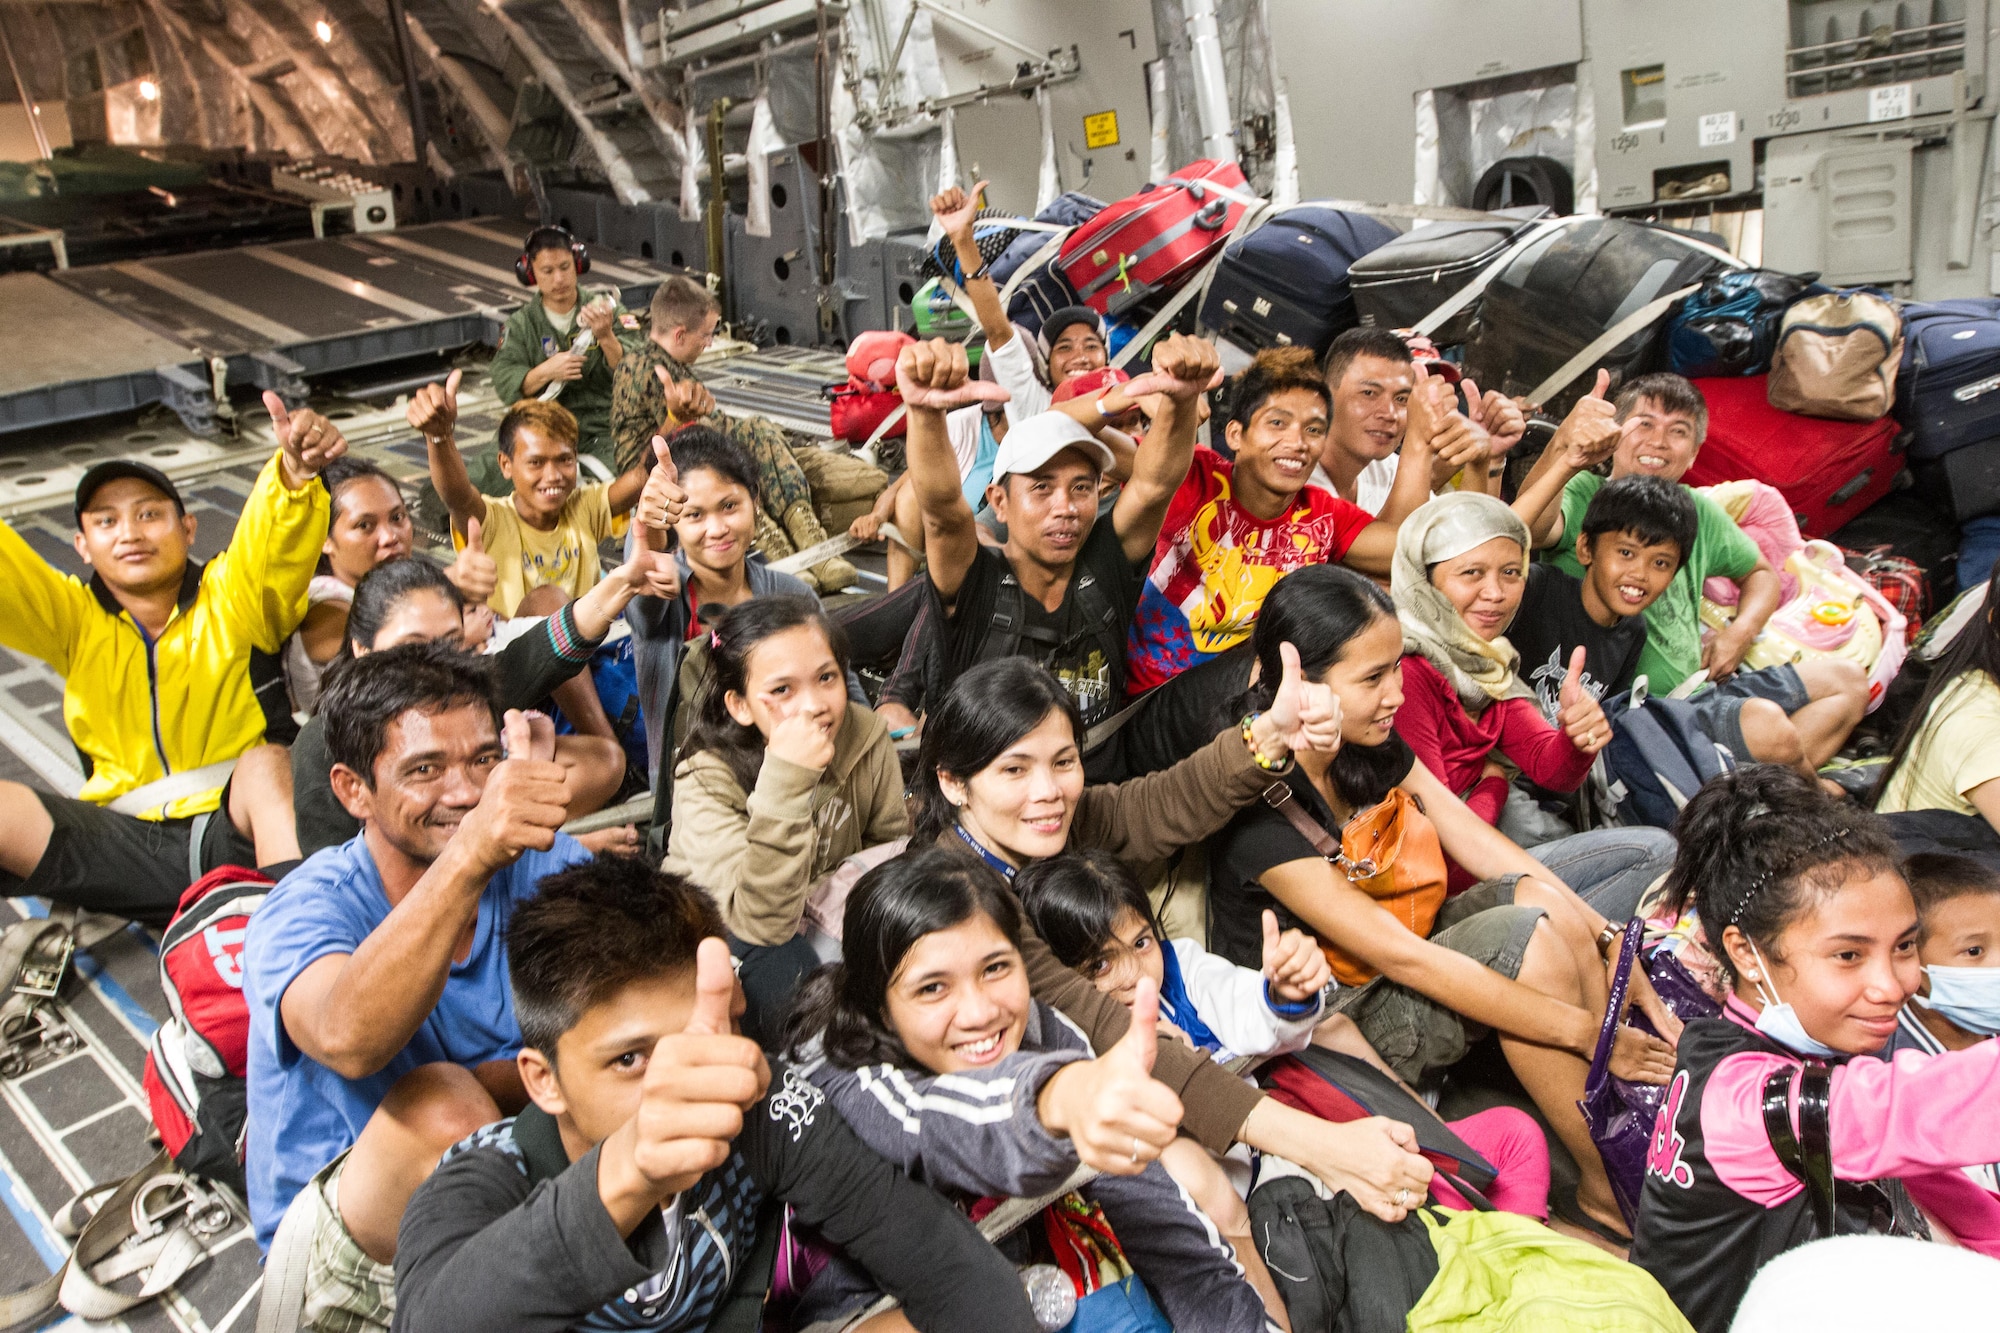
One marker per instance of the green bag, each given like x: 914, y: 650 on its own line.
x: 938, y: 316
x: 1503, y: 1273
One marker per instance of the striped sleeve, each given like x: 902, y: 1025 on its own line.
x: 976, y: 1131
x: 566, y: 639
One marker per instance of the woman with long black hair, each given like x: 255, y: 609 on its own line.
x: 1519, y: 953
x: 1000, y: 775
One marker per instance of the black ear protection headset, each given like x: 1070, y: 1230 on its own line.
x: 524, y: 264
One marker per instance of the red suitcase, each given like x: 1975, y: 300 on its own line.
x: 1149, y: 243
x: 1829, y: 470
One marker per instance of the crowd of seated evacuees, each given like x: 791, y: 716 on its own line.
x: 532, y: 1081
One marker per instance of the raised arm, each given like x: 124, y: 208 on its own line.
x: 647, y: 573
x: 433, y: 413
x: 1586, y: 438
x: 260, y: 582
x: 933, y: 380
x: 353, y: 1012
x: 1184, y: 368
x: 40, y: 609
x: 956, y: 211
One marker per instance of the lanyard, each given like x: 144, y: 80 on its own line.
x: 1007, y: 872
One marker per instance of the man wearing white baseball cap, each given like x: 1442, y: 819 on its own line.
x: 1063, y: 589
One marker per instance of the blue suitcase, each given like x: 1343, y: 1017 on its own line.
x: 1285, y: 284
x: 1044, y: 291
x: 1066, y: 210
x: 1948, y: 389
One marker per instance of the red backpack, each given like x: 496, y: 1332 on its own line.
x: 861, y: 405
x: 194, y: 1075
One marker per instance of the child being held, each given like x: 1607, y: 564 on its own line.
x: 1096, y: 918
x: 1958, y: 939
x: 627, y: 1194
x: 1809, y: 917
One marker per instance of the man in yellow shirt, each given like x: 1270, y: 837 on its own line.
x: 154, y: 653
x: 546, y: 533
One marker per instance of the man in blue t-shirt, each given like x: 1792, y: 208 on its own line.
x: 382, y: 1030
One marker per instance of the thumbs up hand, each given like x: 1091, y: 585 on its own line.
x: 307, y: 441
x: 1581, y: 716
x: 1294, y: 966
x: 1304, y: 715
x: 525, y: 800
x: 433, y: 409
x: 1590, y: 432
x: 698, y: 1083
x: 687, y: 400
x: 1112, y: 1110
x: 474, y: 573
x: 662, y: 501
x: 934, y: 377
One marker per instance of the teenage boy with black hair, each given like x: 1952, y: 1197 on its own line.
x: 1237, y: 525
x: 1636, y: 534
x: 546, y: 533
x: 154, y: 649
x: 626, y: 1194
x: 1798, y: 714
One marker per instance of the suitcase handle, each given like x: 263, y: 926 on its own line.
x: 1212, y: 215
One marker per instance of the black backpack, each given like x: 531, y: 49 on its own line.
x: 1339, y: 1269
x: 1092, y: 616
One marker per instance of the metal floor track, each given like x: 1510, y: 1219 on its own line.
x: 107, y: 338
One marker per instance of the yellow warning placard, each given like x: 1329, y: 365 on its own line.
x: 1100, y: 130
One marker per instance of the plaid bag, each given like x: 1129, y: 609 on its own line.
x: 1901, y: 582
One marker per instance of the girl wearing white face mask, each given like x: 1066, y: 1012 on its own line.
x: 1958, y: 1007
x: 1805, y: 907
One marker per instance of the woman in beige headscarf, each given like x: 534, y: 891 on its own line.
x: 1459, y: 570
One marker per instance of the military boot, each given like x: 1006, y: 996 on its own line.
x: 802, y: 526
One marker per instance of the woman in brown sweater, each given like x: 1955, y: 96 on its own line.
x: 1001, y: 774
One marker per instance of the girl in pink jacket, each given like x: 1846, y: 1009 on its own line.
x: 1772, y: 1135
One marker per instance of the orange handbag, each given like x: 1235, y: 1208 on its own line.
x: 1390, y: 852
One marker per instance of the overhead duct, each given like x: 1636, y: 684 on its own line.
x: 1211, y: 87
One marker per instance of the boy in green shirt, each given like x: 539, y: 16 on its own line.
x: 1798, y: 715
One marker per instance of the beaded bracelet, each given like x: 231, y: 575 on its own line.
x: 1257, y: 756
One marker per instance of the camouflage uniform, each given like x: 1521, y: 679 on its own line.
x: 786, y: 522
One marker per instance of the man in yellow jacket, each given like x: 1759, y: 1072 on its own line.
x: 154, y: 653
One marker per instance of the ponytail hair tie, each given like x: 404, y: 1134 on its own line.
x: 715, y: 640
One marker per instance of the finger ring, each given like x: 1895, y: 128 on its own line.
x: 1402, y: 1198
x: 1135, y: 1150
